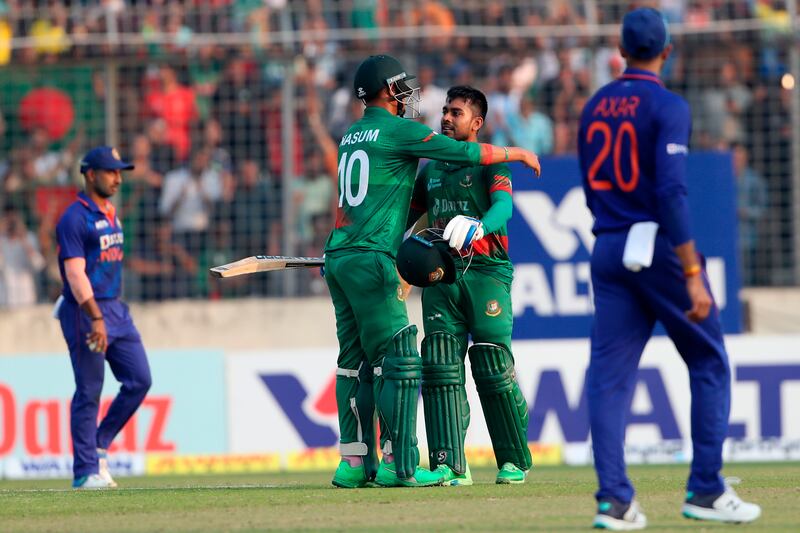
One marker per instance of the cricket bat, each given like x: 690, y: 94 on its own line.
x: 264, y: 263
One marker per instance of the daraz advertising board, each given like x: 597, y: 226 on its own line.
x: 550, y: 243
x: 184, y: 413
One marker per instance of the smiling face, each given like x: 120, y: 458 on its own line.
x: 460, y: 120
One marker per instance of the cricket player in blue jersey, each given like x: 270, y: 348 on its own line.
x: 96, y: 324
x: 633, y: 144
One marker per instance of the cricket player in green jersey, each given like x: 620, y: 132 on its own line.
x: 472, y: 204
x: 379, y: 367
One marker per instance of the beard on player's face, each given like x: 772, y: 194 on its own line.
x: 106, y: 183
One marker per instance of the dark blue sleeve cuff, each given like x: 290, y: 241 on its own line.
x: 674, y: 215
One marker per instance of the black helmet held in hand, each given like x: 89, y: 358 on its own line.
x: 425, y: 263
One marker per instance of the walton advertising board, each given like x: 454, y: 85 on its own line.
x: 184, y: 412
x: 550, y: 240
x: 284, y: 401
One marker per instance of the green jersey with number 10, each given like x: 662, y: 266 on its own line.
x: 378, y: 159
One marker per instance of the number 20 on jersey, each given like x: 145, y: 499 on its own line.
x: 611, y: 141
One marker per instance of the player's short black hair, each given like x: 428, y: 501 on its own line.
x: 471, y: 95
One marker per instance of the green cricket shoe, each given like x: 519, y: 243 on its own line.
x: 349, y: 477
x: 387, y: 477
x: 452, y: 479
x: 510, y: 474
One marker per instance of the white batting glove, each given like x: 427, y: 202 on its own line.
x: 462, y: 231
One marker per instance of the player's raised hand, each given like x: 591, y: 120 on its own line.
x: 700, y: 298
x: 532, y: 160
x: 462, y: 231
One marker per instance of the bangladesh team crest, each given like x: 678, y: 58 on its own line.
x: 493, y: 308
x: 466, y: 181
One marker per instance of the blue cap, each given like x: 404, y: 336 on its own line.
x: 644, y: 33
x: 104, y: 158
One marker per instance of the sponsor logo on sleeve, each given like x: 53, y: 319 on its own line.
x: 675, y: 149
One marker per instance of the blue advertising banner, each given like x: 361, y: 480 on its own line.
x: 550, y: 242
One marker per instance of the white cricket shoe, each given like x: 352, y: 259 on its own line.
x: 617, y: 516
x: 725, y: 507
x: 104, y: 472
x: 92, y: 481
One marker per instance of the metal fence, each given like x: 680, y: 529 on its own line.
x: 232, y: 111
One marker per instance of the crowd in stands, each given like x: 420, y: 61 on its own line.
x: 203, y: 120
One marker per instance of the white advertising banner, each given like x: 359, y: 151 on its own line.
x: 284, y: 401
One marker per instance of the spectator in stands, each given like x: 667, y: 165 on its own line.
x: 180, y: 35
x: 256, y: 212
x: 752, y: 204
x: 50, y: 32
x: 20, y: 261
x: 456, y: 69
x: 190, y: 195
x: 212, y: 140
x: 432, y: 97
x: 50, y: 167
x: 162, y: 153
x: 608, y: 63
x: 274, y: 114
x: 502, y: 104
x: 530, y: 128
x: 557, y: 92
x: 562, y: 140
x: 151, y: 29
x: 175, y: 104
x: 205, y: 72
x: 724, y: 106
x: 238, y: 105
x: 18, y: 176
x: 255, y: 216
x: 320, y: 52
x: 140, y: 192
x: 312, y: 195
x: 368, y: 15
x: 165, y: 269
x: 344, y: 111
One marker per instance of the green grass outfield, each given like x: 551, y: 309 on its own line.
x: 554, y: 499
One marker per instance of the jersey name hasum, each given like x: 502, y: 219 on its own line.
x: 360, y: 136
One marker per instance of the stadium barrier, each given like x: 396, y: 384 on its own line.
x: 214, y: 411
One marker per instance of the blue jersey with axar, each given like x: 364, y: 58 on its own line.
x: 633, y: 143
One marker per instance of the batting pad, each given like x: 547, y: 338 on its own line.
x: 365, y: 403
x: 445, y: 400
x: 504, y: 407
x: 351, y: 426
x: 397, y: 386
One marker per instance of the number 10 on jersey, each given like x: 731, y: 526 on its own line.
x: 346, y: 178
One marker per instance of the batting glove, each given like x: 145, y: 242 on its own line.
x: 462, y: 231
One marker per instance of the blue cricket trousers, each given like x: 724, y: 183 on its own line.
x: 128, y: 362
x: 627, y: 305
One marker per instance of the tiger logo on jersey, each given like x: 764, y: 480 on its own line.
x: 466, y: 181
x: 493, y: 308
